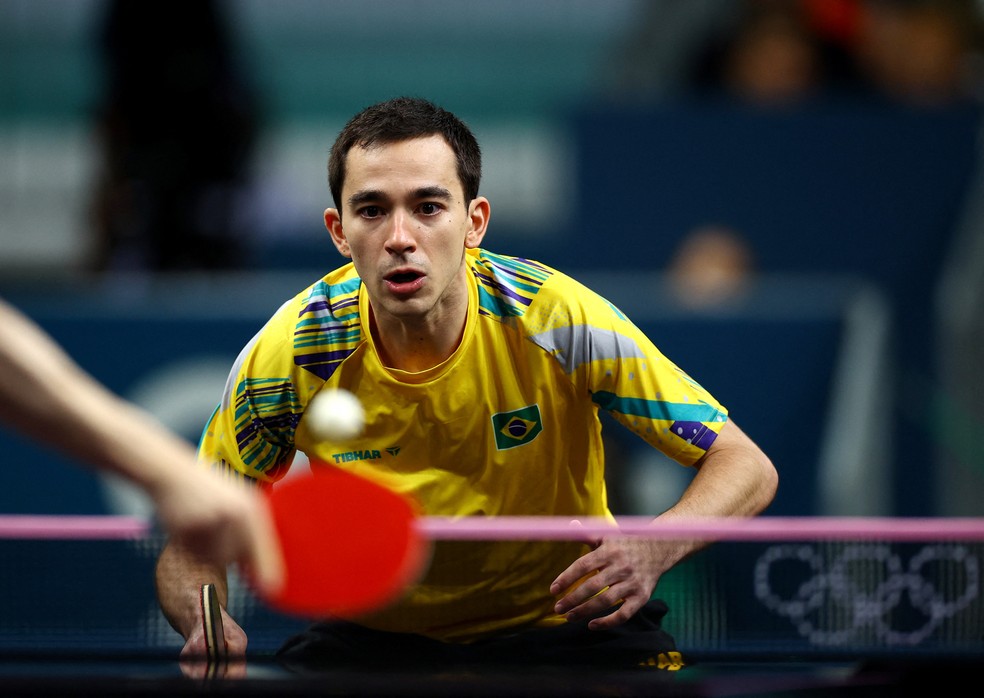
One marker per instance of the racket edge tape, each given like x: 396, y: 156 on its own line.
x: 212, y: 624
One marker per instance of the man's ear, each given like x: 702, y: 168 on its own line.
x: 333, y: 222
x: 478, y: 217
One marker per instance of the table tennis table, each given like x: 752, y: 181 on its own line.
x: 146, y: 675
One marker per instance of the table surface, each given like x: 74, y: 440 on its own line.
x: 165, y: 676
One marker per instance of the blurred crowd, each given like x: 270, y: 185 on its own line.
x: 783, y: 51
x: 179, y: 120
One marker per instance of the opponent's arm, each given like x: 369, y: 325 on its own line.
x: 46, y: 395
x: 734, y: 478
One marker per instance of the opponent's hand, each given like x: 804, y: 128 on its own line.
x: 618, y: 570
x: 223, y: 522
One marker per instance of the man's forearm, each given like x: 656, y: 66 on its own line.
x: 735, y: 478
x: 179, y: 576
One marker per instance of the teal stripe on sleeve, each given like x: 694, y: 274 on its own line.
x: 657, y: 409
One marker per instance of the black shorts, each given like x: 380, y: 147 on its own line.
x: 640, y: 642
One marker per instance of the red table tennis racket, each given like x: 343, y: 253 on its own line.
x: 350, y: 545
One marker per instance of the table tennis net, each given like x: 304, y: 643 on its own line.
x: 785, y: 596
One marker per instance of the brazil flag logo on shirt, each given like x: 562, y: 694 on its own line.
x: 516, y: 428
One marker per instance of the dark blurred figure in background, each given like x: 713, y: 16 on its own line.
x: 922, y: 52
x: 177, y: 126
x: 779, y: 52
x: 919, y: 52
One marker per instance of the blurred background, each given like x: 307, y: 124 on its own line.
x: 785, y: 195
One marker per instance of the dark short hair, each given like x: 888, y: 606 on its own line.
x: 401, y: 119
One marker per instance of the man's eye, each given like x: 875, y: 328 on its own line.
x: 370, y: 211
x: 429, y: 209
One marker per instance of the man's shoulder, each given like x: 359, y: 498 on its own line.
x: 513, y: 286
x: 332, y: 297
x: 317, y: 325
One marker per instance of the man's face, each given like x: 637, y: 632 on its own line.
x: 406, y: 226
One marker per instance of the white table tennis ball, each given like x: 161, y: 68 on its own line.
x: 335, y: 415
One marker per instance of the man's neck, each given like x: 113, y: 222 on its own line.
x: 420, y: 344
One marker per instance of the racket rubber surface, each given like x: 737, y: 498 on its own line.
x: 350, y: 544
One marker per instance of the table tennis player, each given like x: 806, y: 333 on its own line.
x: 45, y: 395
x: 481, y: 376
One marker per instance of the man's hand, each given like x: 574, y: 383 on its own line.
x: 193, y: 658
x: 619, y: 569
x: 734, y: 478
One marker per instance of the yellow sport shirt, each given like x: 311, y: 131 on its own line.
x: 508, y: 425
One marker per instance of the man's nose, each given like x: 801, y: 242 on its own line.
x: 401, y: 235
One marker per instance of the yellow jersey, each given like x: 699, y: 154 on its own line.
x: 508, y: 425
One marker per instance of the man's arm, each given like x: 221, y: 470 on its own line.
x: 179, y: 576
x: 734, y: 478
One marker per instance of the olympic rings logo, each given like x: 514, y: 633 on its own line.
x: 858, y: 590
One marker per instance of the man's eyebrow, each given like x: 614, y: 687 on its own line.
x: 373, y: 195
x: 434, y: 192
x: 365, y: 196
